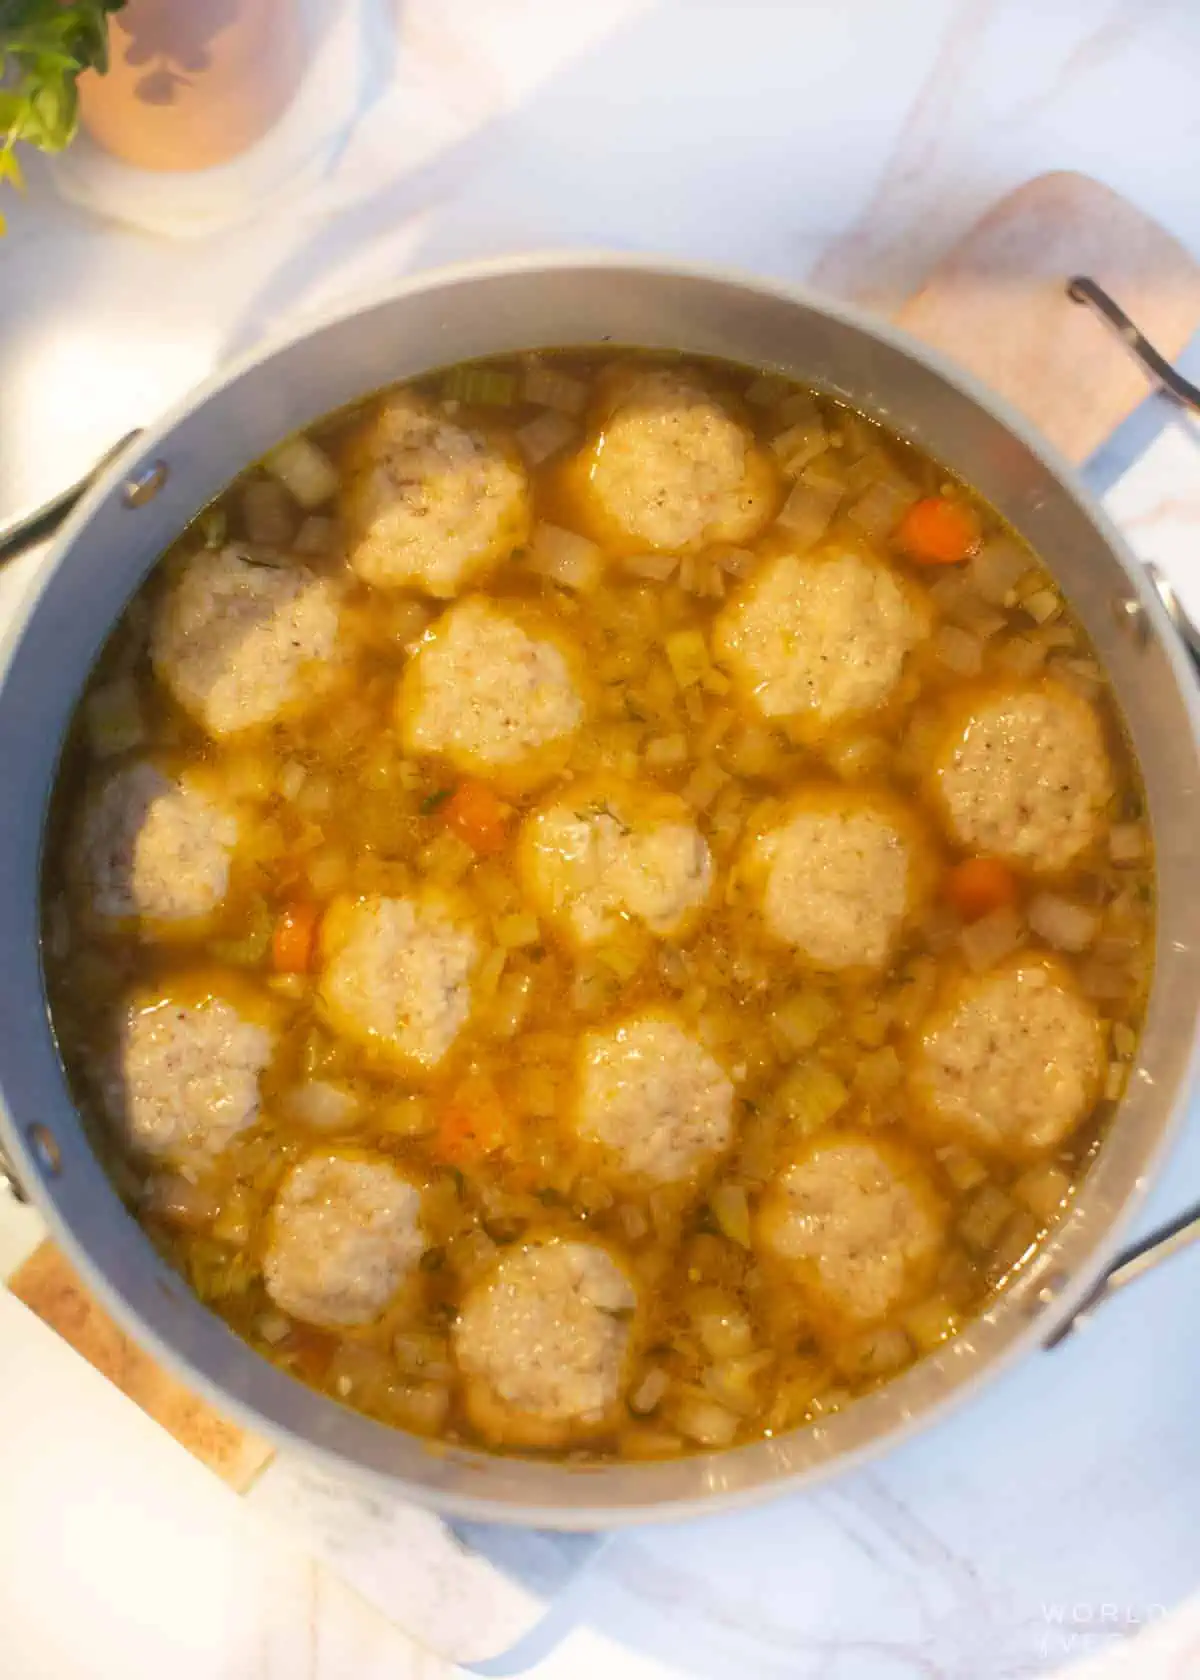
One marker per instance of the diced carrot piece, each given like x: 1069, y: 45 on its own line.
x: 472, y: 1124
x: 294, y: 942
x: 478, y: 816
x: 979, y: 885
x: 939, y: 532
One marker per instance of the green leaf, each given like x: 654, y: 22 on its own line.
x: 45, y: 45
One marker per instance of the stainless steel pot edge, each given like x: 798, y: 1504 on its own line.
x: 1053, y: 1304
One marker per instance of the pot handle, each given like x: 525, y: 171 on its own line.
x: 30, y: 529
x: 9, y: 1180
x: 1132, y: 1263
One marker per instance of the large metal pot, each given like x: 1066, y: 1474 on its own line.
x: 144, y: 501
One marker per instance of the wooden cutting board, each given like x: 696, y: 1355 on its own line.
x: 996, y: 304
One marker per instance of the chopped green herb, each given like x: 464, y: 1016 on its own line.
x: 433, y: 1259
x: 44, y: 46
x: 431, y: 801
x: 550, y: 1197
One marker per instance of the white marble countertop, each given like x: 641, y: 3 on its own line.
x: 1052, y: 1522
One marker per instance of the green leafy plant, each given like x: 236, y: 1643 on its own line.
x: 44, y: 46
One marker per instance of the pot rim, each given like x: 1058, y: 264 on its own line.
x: 1043, y: 1296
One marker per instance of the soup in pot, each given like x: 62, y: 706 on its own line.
x: 598, y: 903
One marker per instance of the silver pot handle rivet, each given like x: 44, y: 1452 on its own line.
x: 142, y: 487
x: 1130, y: 616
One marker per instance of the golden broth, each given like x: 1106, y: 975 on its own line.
x: 728, y: 1344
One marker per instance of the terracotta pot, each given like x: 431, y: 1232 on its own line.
x: 191, y: 83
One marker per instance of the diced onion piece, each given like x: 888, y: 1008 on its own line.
x: 881, y: 506
x: 958, y: 650
x: 621, y: 960
x: 1106, y: 981
x: 1021, y: 655
x: 716, y: 682
x: 214, y: 526
x: 720, y: 1323
x: 988, y: 1212
x: 666, y: 752
x: 767, y: 390
x: 1044, y: 1190
x: 931, y: 1323
x: 997, y: 569
x: 422, y: 1408
x: 469, y: 383
x: 490, y: 970
x: 734, y: 1383
x: 113, y: 718
x: 565, y: 558
x: 634, y: 1223
x: 736, y: 561
x: 446, y: 858
x: 646, y: 1443
x: 687, y: 654
x: 656, y: 567
x: 273, y: 1327
x: 799, y: 445
x: 234, y: 1224
x: 521, y: 928
x: 964, y: 1170
x: 317, y: 536
x: 876, y: 1353
x: 796, y: 407
x: 544, y: 436
x: 249, y: 950
x: 1124, y: 1040
x: 806, y: 513
x: 406, y: 619
x: 878, y: 1074
x: 512, y: 1004
x: 328, y: 871
x: 809, y: 1096
x: 1115, y: 1081
x: 593, y: 1195
x: 1066, y: 926
x: 1042, y: 605
x: 322, y: 1105
x: 989, y: 940
x: 1015, y: 1246
x: 410, y: 1116
x: 423, y: 1354
x: 291, y: 779
x: 857, y: 756
x: 649, y: 1392
x: 798, y: 1022
x: 549, y: 388
x: 176, y: 1199
x: 1082, y: 674
x: 1127, y: 843
x: 731, y: 1210
x: 305, y: 470
x: 268, y: 513
x: 704, y: 784
x: 706, y: 1423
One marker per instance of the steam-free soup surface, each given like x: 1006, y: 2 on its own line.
x: 598, y: 904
